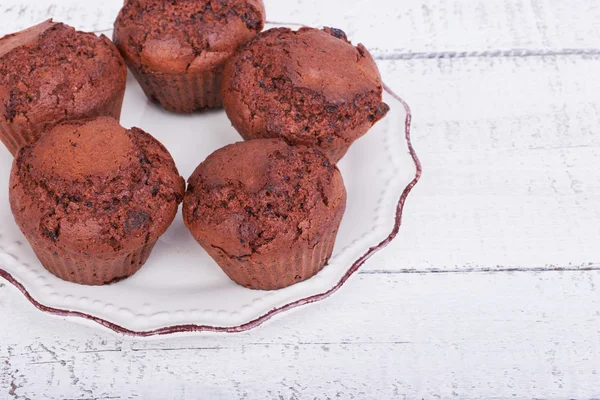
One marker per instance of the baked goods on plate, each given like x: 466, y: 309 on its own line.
x: 176, y: 49
x: 50, y: 73
x: 309, y: 87
x: 180, y: 287
x: 266, y: 212
x: 92, y: 198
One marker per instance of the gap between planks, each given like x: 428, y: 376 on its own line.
x: 495, y: 53
x: 486, y: 270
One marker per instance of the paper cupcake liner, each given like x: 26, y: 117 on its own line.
x: 336, y: 155
x: 270, y: 272
x: 94, y: 269
x: 16, y: 135
x: 111, y: 108
x: 183, y: 92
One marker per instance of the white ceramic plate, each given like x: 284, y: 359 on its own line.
x: 180, y: 288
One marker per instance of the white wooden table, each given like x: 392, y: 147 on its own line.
x: 491, y: 289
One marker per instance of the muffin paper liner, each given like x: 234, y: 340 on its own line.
x: 336, y: 155
x: 272, y: 271
x: 16, y: 135
x: 31, y: 288
x: 183, y: 92
x: 94, y: 269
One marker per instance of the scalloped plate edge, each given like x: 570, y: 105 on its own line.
x: 190, y: 328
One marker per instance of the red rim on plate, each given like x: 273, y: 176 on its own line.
x: 258, y: 321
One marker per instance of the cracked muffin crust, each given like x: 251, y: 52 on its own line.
x: 176, y: 49
x: 92, y: 198
x: 50, y: 73
x: 266, y: 212
x: 309, y: 87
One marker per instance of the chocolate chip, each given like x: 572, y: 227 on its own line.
x: 380, y: 112
x: 251, y: 21
x: 331, y: 109
x: 136, y: 220
x: 10, y: 109
x: 52, y: 234
x: 383, y: 109
x: 143, y: 160
x: 88, y: 204
x: 338, y: 33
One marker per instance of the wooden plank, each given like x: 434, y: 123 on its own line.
x: 425, y: 27
x: 478, y: 335
x: 497, y: 135
x: 506, y: 116
x: 500, y: 103
x: 510, y: 151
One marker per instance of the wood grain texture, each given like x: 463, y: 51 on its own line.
x: 484, y: 335
x: 508, y: 137
x: 510, y: 150
x: 391, y: 28
x: 506, y: 122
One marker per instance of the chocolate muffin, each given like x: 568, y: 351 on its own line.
x: 92, y: 198
x: 309, y: 87
x: 176, y: 49
x: 266, y: 212
x: 50, y: 73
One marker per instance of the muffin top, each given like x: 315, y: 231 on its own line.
x: 309, y: 87
x: 262, y: 195
x: 93, y: 186
x: 50, y: 71
x: 182, y: 35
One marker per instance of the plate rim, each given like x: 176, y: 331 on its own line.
x: 193, y: 328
